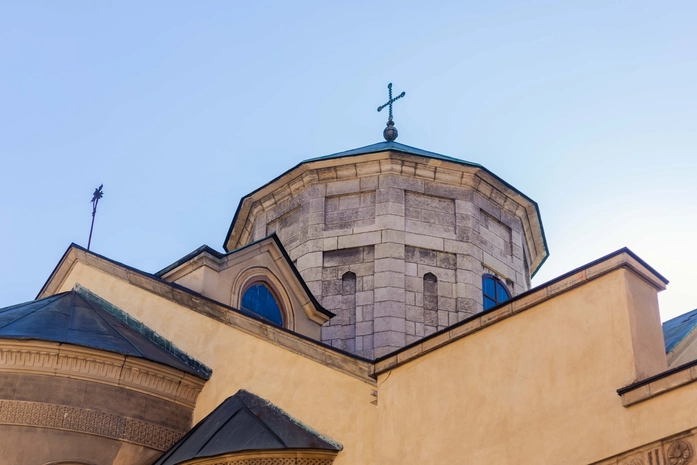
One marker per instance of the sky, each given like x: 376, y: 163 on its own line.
x: 181, y: 108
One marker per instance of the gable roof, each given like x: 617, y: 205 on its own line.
x: 678, y: 328
x: 272, y: 237
x: 245, y: 422
x: 406, y: 149
x: 75, y: 318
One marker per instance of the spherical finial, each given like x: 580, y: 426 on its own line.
x: 390, y: 133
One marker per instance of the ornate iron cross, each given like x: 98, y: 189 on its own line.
x: 390, y: 133
x: 98, y: 194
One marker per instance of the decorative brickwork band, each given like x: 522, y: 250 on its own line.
x: 49, y: 358
x: 287, y: 457
x: 87, y: 421
x: 675, y: 450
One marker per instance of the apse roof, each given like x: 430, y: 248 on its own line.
x: 75, y: 318
x: 245, y: 422
x: 677, y: 329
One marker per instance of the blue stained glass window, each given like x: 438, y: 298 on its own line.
x: 494, y: 290
x: 259, y: 299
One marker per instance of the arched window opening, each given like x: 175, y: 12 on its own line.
x: 347, y: 314
x: 431, y: 301
x: 494, y: 290
x: 259, y: 299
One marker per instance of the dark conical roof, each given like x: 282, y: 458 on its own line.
x: 73, y: 318
x: 245, y: 422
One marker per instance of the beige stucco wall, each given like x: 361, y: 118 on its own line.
x: 538, y: 387
x: 334, y: 403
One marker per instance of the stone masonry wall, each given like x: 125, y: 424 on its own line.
x: 390, y: 223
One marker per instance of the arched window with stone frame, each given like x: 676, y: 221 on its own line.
x: 494, y: 291
x: 430, y: 301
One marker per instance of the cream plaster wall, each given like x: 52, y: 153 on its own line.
x: 336, y: 404
x: 538, y: 387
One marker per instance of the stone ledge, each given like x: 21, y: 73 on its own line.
x: 623, y: 258
x: 66, y: 360
x: 659, y: 384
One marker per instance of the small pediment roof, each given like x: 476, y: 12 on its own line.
x: 75, y: 318
x: 245, y: 422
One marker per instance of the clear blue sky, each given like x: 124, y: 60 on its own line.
x: 181, y: 108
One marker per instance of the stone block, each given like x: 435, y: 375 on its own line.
x: 331, y: 332
x: 442, y: 319
x: 369, y: 183
x: 388, y: 339
x: 441, y: 273
x: 468, y: 306
x: 388, y: 220
x: 390, y: 209
x: 343, y: 257
x: 389, y: 195
x: 389, y: 264
x: 364, y: 328
x: 332, y: 302
x: 429, y: 203
x: 389, y: 324
x: 455, y: 192
x: 410, y: 269
x: 410, y: 298
x: 446, y: 260
x: 326, y: 174
x: 391, y: 235
x: 330, y: 243
x: 401, y: 182
x: 389, y: 293
x: 357, y: 240
x: 414, y: 313
x: 413, y: 284
x: 388, y: 308
x: 424, y: 241
x: 309, y: 260
x: 368, y: 283
x: 410, y: 328
x: 388, y: 279
x: 389, y: 251
x: 364, y: 298
x: 447, y: 303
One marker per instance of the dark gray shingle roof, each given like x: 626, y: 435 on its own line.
x: 245, y: 422
x: 74, y: 318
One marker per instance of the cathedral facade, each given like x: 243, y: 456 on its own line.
x: 371, y: 307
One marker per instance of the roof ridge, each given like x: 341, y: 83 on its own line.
x: 145, y: 331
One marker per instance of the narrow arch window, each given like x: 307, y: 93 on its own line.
x: 494, y: 290
x: 430, y: 301
x: 259, y: 299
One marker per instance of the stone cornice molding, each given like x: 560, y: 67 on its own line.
x: 678, y: 449
x: 66, y: 360
x: 445, y: 172
x: 82, y: 420
x: 282, y: 457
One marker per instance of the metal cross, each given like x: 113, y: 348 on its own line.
x: 391, y: 100
x: 98, y: 194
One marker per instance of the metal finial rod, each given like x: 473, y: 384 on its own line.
x: 98, y: 194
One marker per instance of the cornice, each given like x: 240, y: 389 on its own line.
x: 392, y: 162
x: 69, y: 361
